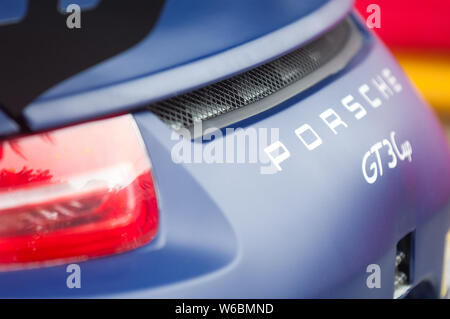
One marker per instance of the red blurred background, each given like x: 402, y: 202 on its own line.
x: 412, y: 24
x: 418, y: 33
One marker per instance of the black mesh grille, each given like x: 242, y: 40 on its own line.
x: 184, y: 110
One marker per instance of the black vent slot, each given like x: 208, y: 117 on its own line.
x: 254, y: 86
x: 403, y: 265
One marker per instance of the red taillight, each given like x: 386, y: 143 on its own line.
x: 74, y: 193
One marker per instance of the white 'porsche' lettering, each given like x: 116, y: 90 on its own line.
x: 372, y: 94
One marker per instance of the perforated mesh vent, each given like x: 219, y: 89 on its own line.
x: 252, y: 86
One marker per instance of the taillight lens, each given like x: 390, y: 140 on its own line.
x: 74, y: 193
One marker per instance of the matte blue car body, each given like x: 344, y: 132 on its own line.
x: 308, y: 231
x: 7, y: 126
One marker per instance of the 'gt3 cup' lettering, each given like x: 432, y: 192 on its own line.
x: 372, y: 164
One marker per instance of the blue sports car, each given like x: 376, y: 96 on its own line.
x: 214, y: 149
